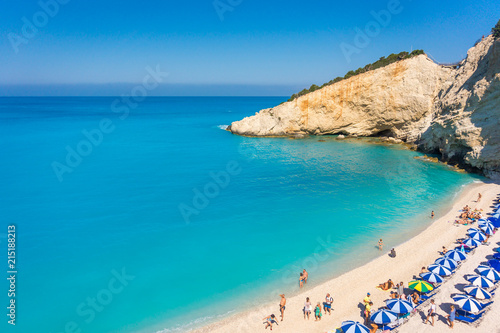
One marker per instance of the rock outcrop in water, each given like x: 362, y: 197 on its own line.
x: 451, y: 111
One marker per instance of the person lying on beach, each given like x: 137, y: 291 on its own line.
x: 317, y: 312
x: 282, y: 306
x: 415, y: 297
x: 444, y: 251
x: 386, y: 285
x: 424, y: 270
x: 374, y: 328
x: 327, y: 306
x: 394, y: 295
x: 269, y: 320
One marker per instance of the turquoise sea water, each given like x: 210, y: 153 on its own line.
x: 166, y: 222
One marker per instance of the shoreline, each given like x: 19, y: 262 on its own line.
x: 349, y: 288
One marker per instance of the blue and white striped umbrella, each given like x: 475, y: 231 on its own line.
x: 482, y: 268
x: 446, y: 262
x: 491, y: 273
x: 456, y: 255
x: 477, y: 292
x: 354, y: 327
x: 471, y: 242
x: 495, y: 221
x: 439, y: 269
x: 476, y: 234
x: 495, y: 264
x: 432, y: 277
x: 487, y: 228
x: 480, y: 281
x: 399, y: 305
x: 384, y: 317
x: 467, y: 303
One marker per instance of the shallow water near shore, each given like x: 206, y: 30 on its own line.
x: 167, y: 222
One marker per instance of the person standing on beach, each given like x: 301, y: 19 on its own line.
x: 282, y: 306
x: 380, y: 244
x: 432, y: 214
x: 317, y: 312
x: 368, y: 310
x: 401, y: 288
x: 305, y: 275
x: 432, y: 313
x: 451, y: 316
x: 307, y: 308
x: 327, y: 306
x: 479, y: 196
x: 367, y: 299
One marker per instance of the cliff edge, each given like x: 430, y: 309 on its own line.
x: 451, y: 111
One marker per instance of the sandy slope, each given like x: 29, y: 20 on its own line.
x: 350, y: 288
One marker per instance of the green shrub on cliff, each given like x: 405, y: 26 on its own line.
x: 496, y: 30
x: 382, y: 62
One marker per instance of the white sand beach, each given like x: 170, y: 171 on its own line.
x: 349, y: 289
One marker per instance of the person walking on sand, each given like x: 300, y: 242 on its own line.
x: 317, y: 312
x: 367, y: 299
x: 269, y: 320
x: 368, y: 310
x: 479, y: 196
x: 380, y: 244
x: 451, y: 316
x: 432, y: 313
x: 282, y: 306
x: 305, y: 275
x: 307, y: 308
x: 327, y: 306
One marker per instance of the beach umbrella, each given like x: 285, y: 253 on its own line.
x: 455, y: 255
x: 354, y: 327
x: 487, y: 228
x: 495, y: 264
x: 476, y: 234
x: 477, y: 292
x: 399, y: 305
x: 446, y: 262
x: 432, y: 277
x: 421, y: 286
x: 495, y: 222
x: 383, y: 317
x: 480, y: 281
x: 482, y: 268
x: 491, y: 274
x: 470, y: 242
x: 467, y: 303
x: 496, y: 255
x: 439, y: 269
x: 497, y: 249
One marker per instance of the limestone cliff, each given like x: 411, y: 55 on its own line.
x: 451, y: 111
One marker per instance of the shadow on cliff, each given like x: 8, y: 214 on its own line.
x: 484, y: 112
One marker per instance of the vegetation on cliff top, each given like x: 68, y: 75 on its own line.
x: 496, y: 30
x: 382, y: 62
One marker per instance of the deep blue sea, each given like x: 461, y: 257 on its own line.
x: 151, y: 217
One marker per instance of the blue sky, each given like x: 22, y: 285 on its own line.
x: 92, y: 47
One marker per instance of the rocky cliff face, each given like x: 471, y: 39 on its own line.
x: 455, y: 112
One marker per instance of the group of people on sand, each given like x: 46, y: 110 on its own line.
x: 308, y: 306
x: 469, y: 215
